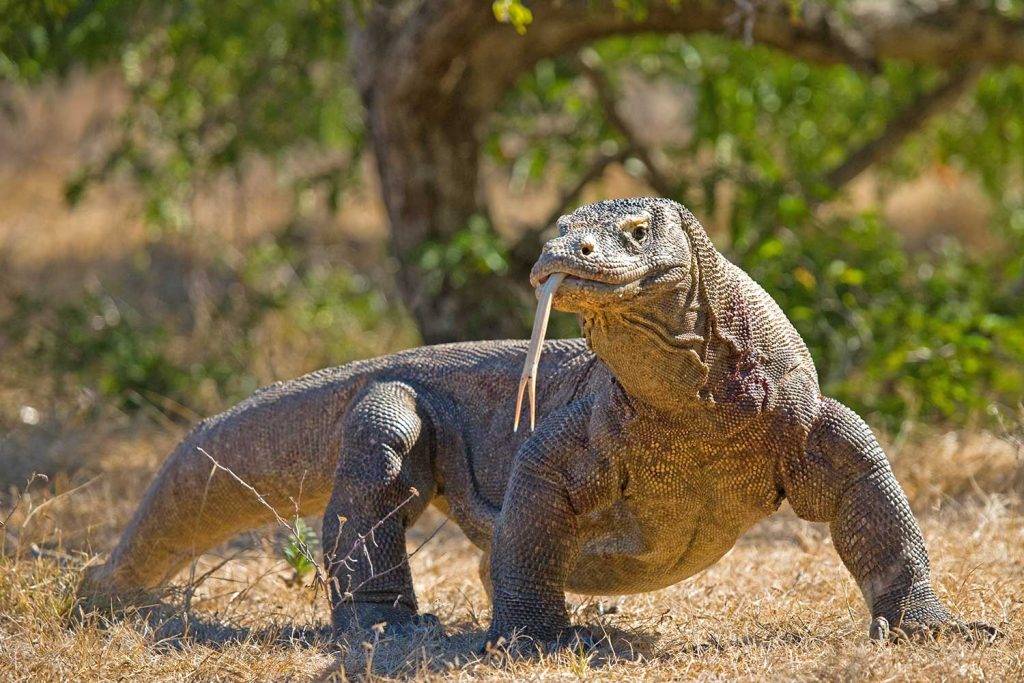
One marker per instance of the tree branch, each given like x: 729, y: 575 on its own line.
x: 875, y: 151
x: 431, y: 72
x: 525, y: 249
x: 595, y: 171
x: 607, y: 99
x: 901, y: 126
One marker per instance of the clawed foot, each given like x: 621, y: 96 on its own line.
x: 574, y: 638
x: 388, y: 622
x: 419, y: 622
x: 931, y: 629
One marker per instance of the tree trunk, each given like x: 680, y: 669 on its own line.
x: 423, y: 116
x: 430, y: 73
x: 428, y: 168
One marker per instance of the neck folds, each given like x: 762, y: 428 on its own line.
x: 658, y: 349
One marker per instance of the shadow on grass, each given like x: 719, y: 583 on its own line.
x: 747, y: 642
x: 462, y: 650
x: 424, y: 650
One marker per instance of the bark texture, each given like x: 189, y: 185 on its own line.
x: 431, y: 72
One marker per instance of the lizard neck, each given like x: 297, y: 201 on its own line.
x: 660, y: 349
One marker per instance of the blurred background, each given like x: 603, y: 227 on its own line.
x: 203, y: 197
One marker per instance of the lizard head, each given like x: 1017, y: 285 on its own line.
x: 625, y: 258
x: 616, y: 251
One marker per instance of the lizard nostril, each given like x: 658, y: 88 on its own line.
x: 587, y: 246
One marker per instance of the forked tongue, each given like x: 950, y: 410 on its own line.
x: 540, y: 327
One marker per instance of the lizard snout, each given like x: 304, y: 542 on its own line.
x: 570, y: 254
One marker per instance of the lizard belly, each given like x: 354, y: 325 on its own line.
x: 656, y: 538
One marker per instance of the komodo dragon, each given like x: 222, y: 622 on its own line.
x: 687, y: 414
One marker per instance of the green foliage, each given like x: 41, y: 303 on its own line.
x: 512, y: 12
x: 38, y: 37
x: 767, y: 125
x: 474, y: 259
x: 110, y: 346
x: 938, y: 336
x: 934, y: 333
x: 984, y: 140
x: 210, y: 83
x: 296, y: 550
x: 337, y: 313
x: 469, y: 255
x: 321, y: 313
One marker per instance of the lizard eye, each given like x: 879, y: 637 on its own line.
x: 639, y: 232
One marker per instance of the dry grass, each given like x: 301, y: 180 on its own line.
x: 780, y: 606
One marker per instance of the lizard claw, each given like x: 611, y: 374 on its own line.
x: 576, y: 638
x: 879, y: 629
x: 419, y: 622
x: 909, y: 630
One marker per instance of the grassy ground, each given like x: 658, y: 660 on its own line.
x: 779, y: 606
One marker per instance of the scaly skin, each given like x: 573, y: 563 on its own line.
x: 688, y: 413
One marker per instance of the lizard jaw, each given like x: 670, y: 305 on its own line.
x: 580, y: 292
x: 547, y: 284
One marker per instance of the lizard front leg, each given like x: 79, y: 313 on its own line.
x: 844, y: 478
x: 383, y: 482
x: 555, y: 478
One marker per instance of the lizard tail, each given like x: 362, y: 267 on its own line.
x: 262, y: 462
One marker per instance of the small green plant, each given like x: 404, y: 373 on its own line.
x: 296, y: 551
x: 578, y: 660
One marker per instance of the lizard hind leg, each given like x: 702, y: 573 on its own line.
x: 383, y: 482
